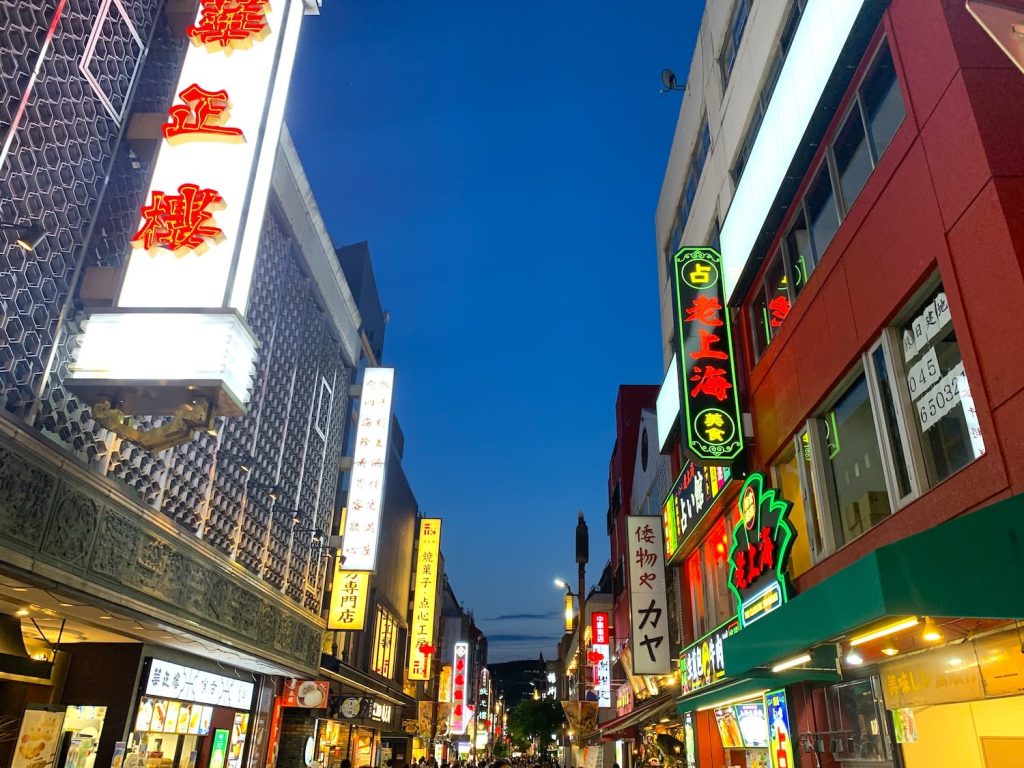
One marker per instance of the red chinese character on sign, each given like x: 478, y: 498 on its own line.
x: 779, y: 307
x: 705, y: 351
x: 203, y: 114
x: 181, y: 221
x: 704, y: 309
x: 223, y: 22
x: 711, y: 381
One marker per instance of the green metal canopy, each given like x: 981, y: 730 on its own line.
x: 970, y: 567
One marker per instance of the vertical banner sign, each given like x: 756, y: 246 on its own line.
x: 646, y: 546
x: 348, y: 599
x: 759, y: 551
x: 712, y: 426
x: 460, y: 675
x: 193, y: 254
x: 366, y: 486
x: 600, y: 645
x: 780, y: 745
x: 421, y: 631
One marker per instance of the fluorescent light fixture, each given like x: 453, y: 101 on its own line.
x: 888, y: 629
x: 167, y: 349
x: 667, y: 406
x: 824, y: 28
x: 735, y: 700
x: 796, y: 661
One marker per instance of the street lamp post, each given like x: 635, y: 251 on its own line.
x: 582, y: 556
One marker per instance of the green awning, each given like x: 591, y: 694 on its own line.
x: 970, y: 567
x: 750, y: 686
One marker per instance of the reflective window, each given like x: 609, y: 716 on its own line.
x: 788, y: 480
x: 733, y: 35
x: 821, y: 211
x: 798, y: 250
x: 855, y: 464
x: 883, y: 104
x: 853, y: 160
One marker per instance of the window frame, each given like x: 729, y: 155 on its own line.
x: 731, y: 41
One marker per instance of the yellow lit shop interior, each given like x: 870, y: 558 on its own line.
x: 743, y: 729
x: 177, y: 734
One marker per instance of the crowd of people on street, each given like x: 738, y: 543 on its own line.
x: 518, y: 762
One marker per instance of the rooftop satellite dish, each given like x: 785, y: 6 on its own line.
x: 668, y: 79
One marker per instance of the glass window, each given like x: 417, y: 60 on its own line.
x: 821, y: 211
x: 892, y: 423
x: 883, y: 104
x: 771, y: 304
x: 857, y: 719
x: 799, y: 253
x: 853, y: 160
x: 946, y: 421
x: 707, y: 575
x: 809, y: 484
x: 788, y: 481
x: 855, y: 464
x: 733, y: 35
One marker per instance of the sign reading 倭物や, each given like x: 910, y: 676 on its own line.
x: 759, y: 550
x: 711, y: 422
x: 652, y: 653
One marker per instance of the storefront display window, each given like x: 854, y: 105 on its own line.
x: 857, y: 721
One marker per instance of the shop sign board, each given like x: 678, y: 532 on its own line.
x: 193, y: 255
x: 369, y: 465
x: 460, y: 685
x: 940, y: 676
x: 703, y: 663
x: 600, y: 645
x: 780, y: 741
x: 174, y: 681
x: 623, y: 699
x: 711, y: 422
x: 693, y: 494
x: 421, y: 632
x: 39, y: 737
x: 652, y: 652
x: 311, y: 694
x: 759, y: 550
x: 348, y: 599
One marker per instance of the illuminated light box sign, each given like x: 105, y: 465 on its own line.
x: 421, y: 631
x: 711, y: 423
x: 194, y: 248
x: 369, y: 465
x: 759, y: 550
x: 780, y: 742
x: 695, y: 491
x: 174, y: 681
x: 600, y: 644
x: 348, y: 599
x: 652, y: 652
x: 703, y: 663
x: 460, y: 685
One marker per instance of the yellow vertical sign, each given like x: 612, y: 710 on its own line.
x: 348, y: 599
x: 421, y: 632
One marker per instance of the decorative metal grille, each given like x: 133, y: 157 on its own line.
x: 64, y: 151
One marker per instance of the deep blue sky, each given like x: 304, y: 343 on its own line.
x: 503, y: 159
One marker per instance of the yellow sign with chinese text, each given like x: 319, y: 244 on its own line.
x: 421, y: 624
x: 348, y: 599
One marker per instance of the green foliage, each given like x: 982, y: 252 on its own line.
x: 500, y: 749
x: 534, y: 720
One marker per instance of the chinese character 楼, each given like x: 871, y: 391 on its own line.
x: 181, y: 221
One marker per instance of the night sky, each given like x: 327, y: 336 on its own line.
x: 504, y: 160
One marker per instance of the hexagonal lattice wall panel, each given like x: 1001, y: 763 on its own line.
x: 67, y: 168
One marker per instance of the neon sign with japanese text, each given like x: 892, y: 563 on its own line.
x: 711, y: 418
x: 695, y: 491
x: 759, y: 552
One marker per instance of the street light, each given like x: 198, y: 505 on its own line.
x: 568, y: 603
x: 26, y: 236
x: 582, y: 556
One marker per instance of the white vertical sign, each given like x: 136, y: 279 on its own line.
x: 652, y: 651
x: 369, y: 464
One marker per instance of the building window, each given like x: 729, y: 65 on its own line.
x: 733, y: 36
x: 855, y: 712
x: 768, y: 88
x: 787, y: 478
x: 693, y: 172
x: 905, y: 423
x: 385, y: 644
x: 707, y: 578
x: 852, y: 154
x: 771, y: 303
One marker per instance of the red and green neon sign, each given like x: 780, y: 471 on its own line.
x: 711, y: 420
x: 759, y: 551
